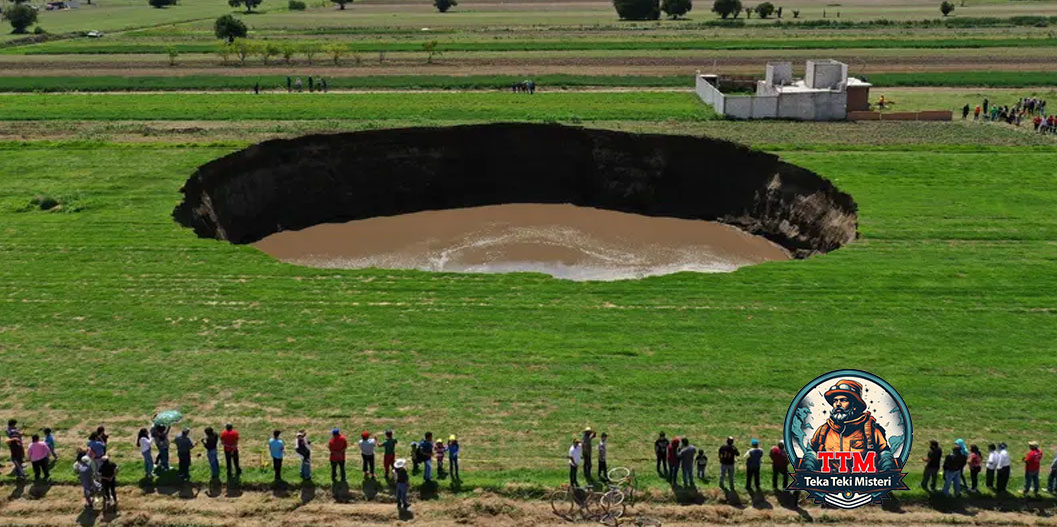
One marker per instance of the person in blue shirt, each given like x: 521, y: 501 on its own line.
x: 50, y: 441
x: 453, y: 457
x: 96, y: 449
x: 275, y: 447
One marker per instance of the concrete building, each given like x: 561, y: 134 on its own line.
x: 826, y: 93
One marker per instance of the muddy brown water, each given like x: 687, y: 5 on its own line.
x: 564, y: 241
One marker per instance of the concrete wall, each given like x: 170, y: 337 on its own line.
x: 710, y: 94
x: 816, y: 106
x: 826, y: 74
x: 779, y: 73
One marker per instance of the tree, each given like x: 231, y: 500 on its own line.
x: 638, y: 9
x: 296, y: 5
x: 225, y: 49
x: 444, y: 5
x: 335, y: 52
x: 158, y: 4
x: 946, y: 8
x: 267, y: 50
x: 748, y: 12
x: 248, y: 4
x: 288, y: 52
x: 229, y: 28
x: 310, y: 50
x: 725, y: 8
x: 676, y: 8
x: 341, y: 3
x: 20, y: 16
x: 765, y: 9
x: 243, y: 49
x: 796, y: 13
x: 173, y: 53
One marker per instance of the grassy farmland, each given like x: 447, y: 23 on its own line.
x: 110, y: 311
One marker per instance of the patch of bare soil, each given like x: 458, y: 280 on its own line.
x: 222, y: 506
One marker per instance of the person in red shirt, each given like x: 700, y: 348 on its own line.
x: 779, y: 465
x: 1031, y: 467
x: 673, y: 461
x: 337, y: 445
x: 230, y: 439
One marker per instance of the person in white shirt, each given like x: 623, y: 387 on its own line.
x: 144, y: 441
x: 992, y: 465
x: 576, y: 456
x: 367, y: 444
x: 1051, y: 483
x: 1003, y: 468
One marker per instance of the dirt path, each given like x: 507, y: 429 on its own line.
x: 222, y: 507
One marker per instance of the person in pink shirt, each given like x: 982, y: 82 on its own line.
x: 439, y: 449
x: 38, y: 456
x: 1032, y: 460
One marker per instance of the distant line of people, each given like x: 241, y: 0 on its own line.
x: 998, y: 466
x: 1032, y: 109
x: 314, y: 84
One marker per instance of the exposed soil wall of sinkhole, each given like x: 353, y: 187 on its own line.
x: 291, y: 184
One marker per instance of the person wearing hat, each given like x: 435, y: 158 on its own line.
x: 230, y: 439
x: 1003, y: 464
x: 304, y: 449
x: 86, y: 474
x: 367, y: 444
x: 337, y: 446
x: 850, y: 428
x: 184, y: 445
x: 402, y: 482
x: 588, y: 435
x: 440, y: 449
x: 453, y: 457
x: 753, y: 462
x: 388, y: 453
x: 952, y: 471
x: 1032, y: 460
x: 728, y: 453
x: 576, y: 456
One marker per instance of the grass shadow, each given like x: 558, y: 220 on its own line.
x: 340, y: 491
x: 308, y: 491
x: 87, y: 517
x: 370, y: 488
x: 428, y: 490
x: 39, y: 489
x: 18, y: 491
x: 215, y: 488
x: 281, y: 489
x: 759, y: 501
x: 234, y: 489
x: 688, y: 496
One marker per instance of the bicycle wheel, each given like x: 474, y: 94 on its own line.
x: 613, y: 502
x: 591, y: 505
x: 618, y: 475
x: 563, y: 503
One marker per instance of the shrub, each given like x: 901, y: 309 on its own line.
x: 725, y: 8
x: 676, y: 8
x: 173, y: 53
x: 431, y: 49
x: 341, y: 3
x: 765, y: 9
x: 638, y: 9
x: 39, y: 31
x: 20, y: 16
x: 229, y: 28
x: 444, y: 5
x: 310, y: 50
x: 946, y: 8
x: 248, y: 4
x: 296, y: 5
x: 158, y: 4
x: 243, y: 49
x: 796, y: 13
x: 288, y: 52
x: 335, y: 52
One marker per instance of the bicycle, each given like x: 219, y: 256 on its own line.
x: 572, y: 503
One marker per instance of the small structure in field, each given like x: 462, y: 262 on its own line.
x: 826, y: 93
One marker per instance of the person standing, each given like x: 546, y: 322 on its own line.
x: 686, y: 462
x: 932, y: 466
x: 588, y: 436
x: 184, y: 445
x: 50, y: 441
x: 161, y: 442
x: 702, y: 465
x: 753, y: 461
x: 425, y: 453
x: 439, y: 449
x: 576, y: 456
x: 673, y: 461
x: 728, y: 453
x: 660, y: 449
x: 603, y: 468
x: 108, y: 478
x: 276, y: 448
x: 145, y: 442
x: 367, y: 444
x: 38, y: 457
x: 311, y: 84
x: 289, y: 84
x: 453, y: 457
x: 976, y: 461
x: 402, y: 483
x: 96, y: 449
x: 1004, y: 463
x: 304, y: 449
x: 1032, y: 461
x: 965, y: 111
x: 337, y: 446
x: 323, y: 84
x: 991, y: 465
x: 210, y: 444
x: 257, y: 88
x: 779, y: 465
x: 389, y: 452
x: 17, y: 449
x: 86, y: 474
x: 230, y: 439
x: 1051, y: 482
x: 415, y: 461
x: 952, y: 471
x: 297, y: 85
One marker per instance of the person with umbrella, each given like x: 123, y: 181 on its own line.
x: 160, y: 432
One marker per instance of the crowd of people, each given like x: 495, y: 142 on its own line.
x: 1030, y: 109
x: 678, y: 455
x: 97, y: 473
x: 998, y: 466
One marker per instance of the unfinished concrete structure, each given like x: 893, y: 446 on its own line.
x: 826, y: 93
